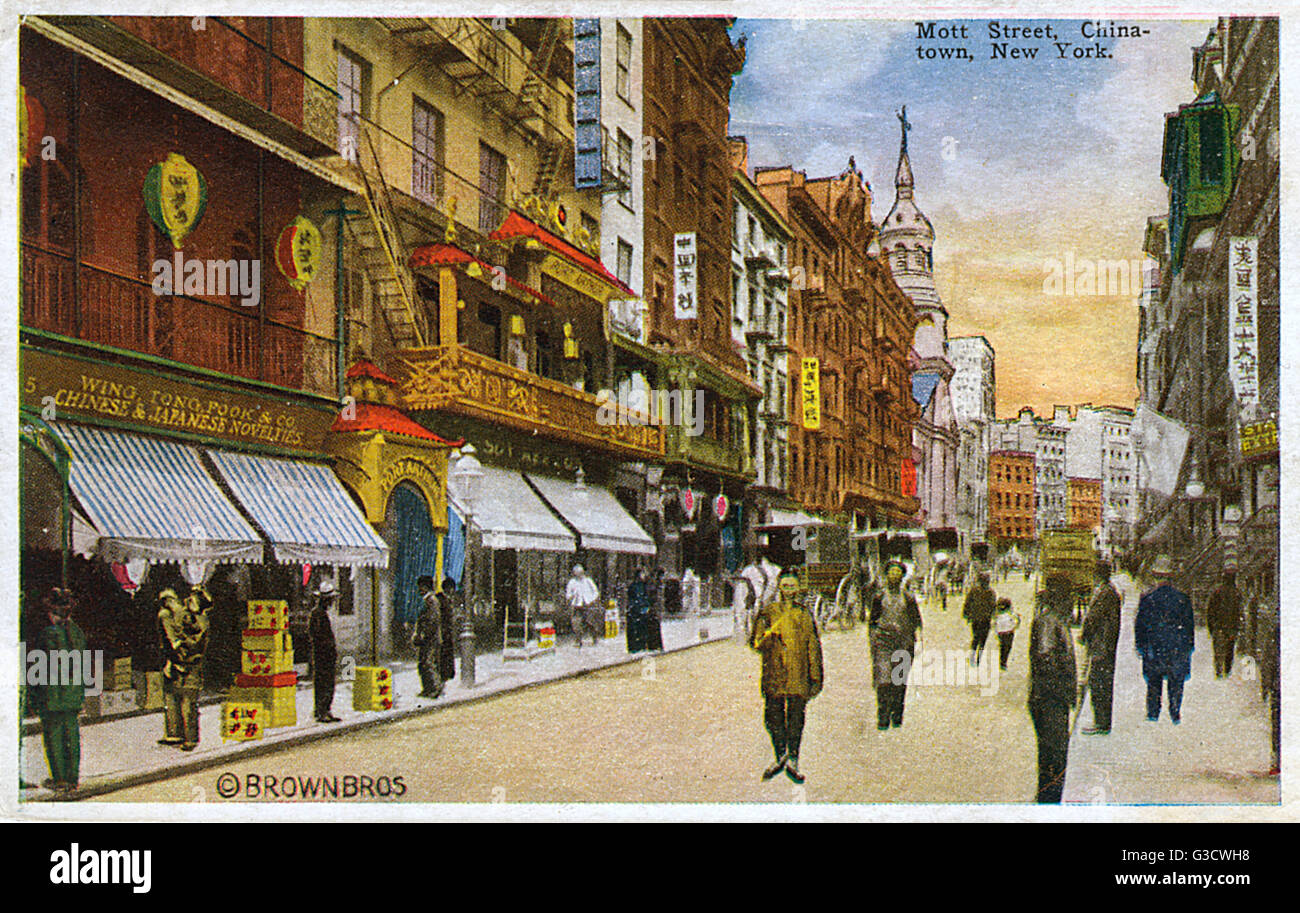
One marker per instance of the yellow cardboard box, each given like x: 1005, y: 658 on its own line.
x: 242, y: 721
x: 268, y: 614
x: 280, y: 704
x: 373, y: 688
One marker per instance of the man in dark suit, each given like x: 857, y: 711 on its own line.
x: 1052, y: 686
x: 324, y: 652
x: 1223, y: 617
x: 1101, y: 637
x: 1164, y: 636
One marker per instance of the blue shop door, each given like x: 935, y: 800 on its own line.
x: 413, y: 551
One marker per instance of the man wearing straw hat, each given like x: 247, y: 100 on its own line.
x: 1164, y: 636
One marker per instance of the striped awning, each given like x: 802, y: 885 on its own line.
x: 303, y: 508
x: 152, y: 499
x: 510, y: 515
x: 602, y: 523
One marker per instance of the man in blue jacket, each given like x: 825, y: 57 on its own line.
x: 1164, y: 636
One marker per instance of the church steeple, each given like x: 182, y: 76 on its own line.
x: 903, y: 179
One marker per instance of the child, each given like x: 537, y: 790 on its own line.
x: 1005, y: 623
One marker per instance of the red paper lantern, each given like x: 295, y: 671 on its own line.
x: 720, y: 506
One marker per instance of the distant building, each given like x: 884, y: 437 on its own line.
x: 1083, y: 503
x: 973, y: 386
x: 1011, y: 496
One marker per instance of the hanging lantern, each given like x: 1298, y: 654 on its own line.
x: 688, y: 502
x: 517, y: 324
x: 570, y: 344
x: 131, y: 574
x: 175, y: 196
x: 298, y: 252
x: 721, y: 506
x: 474, y: 270
x: 306, y: 575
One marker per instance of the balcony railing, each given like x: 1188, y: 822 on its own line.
x: 124, y: 312
x: 461, y: 381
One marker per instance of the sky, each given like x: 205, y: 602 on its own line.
x: 1020, y: 164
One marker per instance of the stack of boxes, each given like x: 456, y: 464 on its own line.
x: 118, y: 696
x: 373, y: 688
x: 267, y: 677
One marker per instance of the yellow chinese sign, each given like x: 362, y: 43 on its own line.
x: 811, y: 394
x: 1259, y: 438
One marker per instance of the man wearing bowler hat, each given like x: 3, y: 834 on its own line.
x: 324, y: 652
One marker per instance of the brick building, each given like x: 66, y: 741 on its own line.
x: 1011, y: 496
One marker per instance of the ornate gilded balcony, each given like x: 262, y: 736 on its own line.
x: 460, y: 381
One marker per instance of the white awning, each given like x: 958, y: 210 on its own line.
x: 791, y: 518
x: 510, y: 515
x: 602, y: 523
x: 304, y: 510
x: 152, y: 499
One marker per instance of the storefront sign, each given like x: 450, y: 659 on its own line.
x: 1259, y: 438
x: 1243, y: 344
x: 685, y: 304
x: 907, y: 478
x: 578, y: 279
x: 90, y: 390
x: 811, y: 394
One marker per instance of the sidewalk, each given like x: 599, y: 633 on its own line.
x: 125, y: 752
x: 1218, y: 754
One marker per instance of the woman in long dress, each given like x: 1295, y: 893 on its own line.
x: 638, y: 612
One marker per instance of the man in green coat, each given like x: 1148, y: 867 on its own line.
x: 792, y: 673
x: 61, y: 700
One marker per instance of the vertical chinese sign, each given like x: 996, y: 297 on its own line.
x: 811, y: 394
x: 1243, y: 343
x: 684, y: 277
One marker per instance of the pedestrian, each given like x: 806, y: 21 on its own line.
x: 638, y: 609
x: 978, y: 612
x: 1223, y: 617
x: 1005, y: 623
x: 690, y: 592
x: 60, y: 701
x: 582, y: 595
x: 1053, y: 680
x: 183, y: 639
x: 447, y: 608
x: 1270, y: 682
x: 324, y: 652
x: 892, y: 631
x: 1165, y: 639
x: 1101, y: 638
x: 428, y: 639
x: 654, y: 635
x: 787, y: 638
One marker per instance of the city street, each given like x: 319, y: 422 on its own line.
x: 688, y: 728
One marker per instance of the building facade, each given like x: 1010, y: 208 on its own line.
x: 852, y: 326
x: 974, y: 397
x: 1209, y: 353
x: 1083, y: 504
x: 906, y: 241
x: 760, y: 277
x: 688, y: 66
x: 1012, y: 517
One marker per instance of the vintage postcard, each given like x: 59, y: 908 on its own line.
x: 765, y: 412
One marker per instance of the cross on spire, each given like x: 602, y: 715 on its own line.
x: 904, y: 124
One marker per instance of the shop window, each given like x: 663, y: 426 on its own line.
x: 489, y: 318
x: 623, y: 65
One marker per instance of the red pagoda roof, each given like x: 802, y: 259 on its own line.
x: 376, y: 417
x: 441, y: 254
x: 370, y: 370
x: 518, y: 226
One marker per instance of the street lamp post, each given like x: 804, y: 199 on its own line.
x: 466, y: 476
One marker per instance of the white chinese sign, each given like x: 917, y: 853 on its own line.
x: 1243, y: 341
x: 685, y: 299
